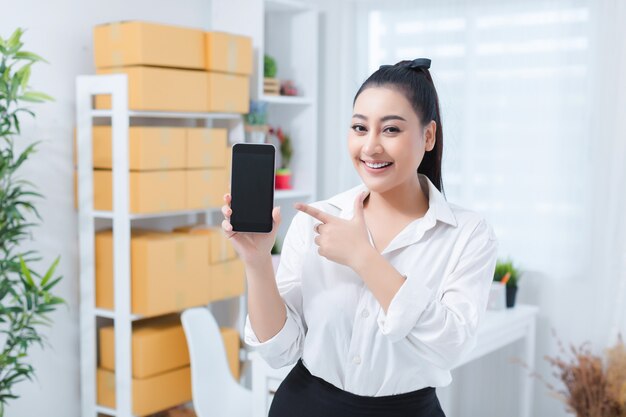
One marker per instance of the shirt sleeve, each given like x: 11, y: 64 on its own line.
x: 441, y: 329
x: 286, y: 346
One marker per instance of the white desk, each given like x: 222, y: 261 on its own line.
x: 498, y: 329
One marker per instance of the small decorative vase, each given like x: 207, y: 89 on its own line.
x: 511, y: 290
x: 283, y: 179
x: 255, y: 133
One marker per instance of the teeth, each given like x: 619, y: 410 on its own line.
x: 384, y: 164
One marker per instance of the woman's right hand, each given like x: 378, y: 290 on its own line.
x: 251, y: 247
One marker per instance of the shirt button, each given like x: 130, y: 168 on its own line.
x: 356, y: 360
x: 365, y: 314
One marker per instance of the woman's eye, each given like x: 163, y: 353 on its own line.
x: 358, y: 128
x: 392, y: 129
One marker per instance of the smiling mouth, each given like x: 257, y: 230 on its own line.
x: 380, y: 166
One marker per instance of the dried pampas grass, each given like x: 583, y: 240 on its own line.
x: 593, y: 386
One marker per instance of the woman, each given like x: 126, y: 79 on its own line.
x: 380, y: 288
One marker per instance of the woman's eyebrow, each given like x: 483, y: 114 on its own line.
x: 383, y: 119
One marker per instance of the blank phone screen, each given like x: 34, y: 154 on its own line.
x: 252, y: 188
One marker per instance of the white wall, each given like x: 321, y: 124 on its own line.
x: 61, y: 31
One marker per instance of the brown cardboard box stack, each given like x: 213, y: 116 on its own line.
x: 171, y: 168
x: 227, y: 270
x: 160, y: 364
x: 171, y: 271
x: 207, y: 162
x: 172, y: 68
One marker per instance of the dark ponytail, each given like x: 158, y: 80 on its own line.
x: 417, y: 86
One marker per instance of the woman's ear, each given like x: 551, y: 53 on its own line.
x: 429, y: 136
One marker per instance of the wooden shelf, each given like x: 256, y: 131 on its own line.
x: 296, y: 100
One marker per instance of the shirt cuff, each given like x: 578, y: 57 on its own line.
x: 278, y: 344
x: 405, y: 309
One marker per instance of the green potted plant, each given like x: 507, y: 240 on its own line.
x: 26, y: 297
x: 508, y: 274
x: 283, y: 174
x: 271, y: 85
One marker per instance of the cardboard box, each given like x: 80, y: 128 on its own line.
x: 227, y: 52
x: 159, y: 345
x: 143, y: 43
x: 220, y: 247
x: 150, y: 191
x: 228, y: 93
x: 169, y: 271
x: 206, y: 187
x: 149, y: 395
x: 161, y: 89
x: 228, y: 279
x: 149, y: 148
x: 206, y: 148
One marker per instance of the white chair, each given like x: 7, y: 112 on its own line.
x: 214, y: 389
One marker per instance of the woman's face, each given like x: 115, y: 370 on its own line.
x: 385, y: 129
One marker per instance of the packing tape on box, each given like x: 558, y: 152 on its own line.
x: 232, y: 55
x: 223, y: 248
x: 117, y: 58
x: 206, y: 175
x: 179, y: 254
x: 207, y: 136
x: 164, y: 163
x: 206, y: 201
x: 165, y: 135
x: 109, y: 381
x: 115, y: 34
x: 179, y: 300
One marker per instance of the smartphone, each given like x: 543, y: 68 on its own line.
x: 252, y: 187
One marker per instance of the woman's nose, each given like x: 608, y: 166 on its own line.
x: 372, y: 144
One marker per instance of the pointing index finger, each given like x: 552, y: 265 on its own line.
x: 312, y: 211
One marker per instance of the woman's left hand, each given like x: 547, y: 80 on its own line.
x: 340, y: 240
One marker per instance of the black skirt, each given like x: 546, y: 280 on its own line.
x: 304, y: 395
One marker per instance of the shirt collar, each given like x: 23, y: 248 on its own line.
x: 438, y: 207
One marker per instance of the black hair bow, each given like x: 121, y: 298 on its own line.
x: 418, y: 63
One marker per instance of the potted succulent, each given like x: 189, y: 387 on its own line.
x: 26, y: 297
x: 507, y: 274
x: 271, y: 85
x: 283, y: 174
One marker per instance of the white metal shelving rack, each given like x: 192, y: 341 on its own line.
x: 288, y: 30
x: 120, y: 116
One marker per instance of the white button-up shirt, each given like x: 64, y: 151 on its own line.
x: 337, y: 326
